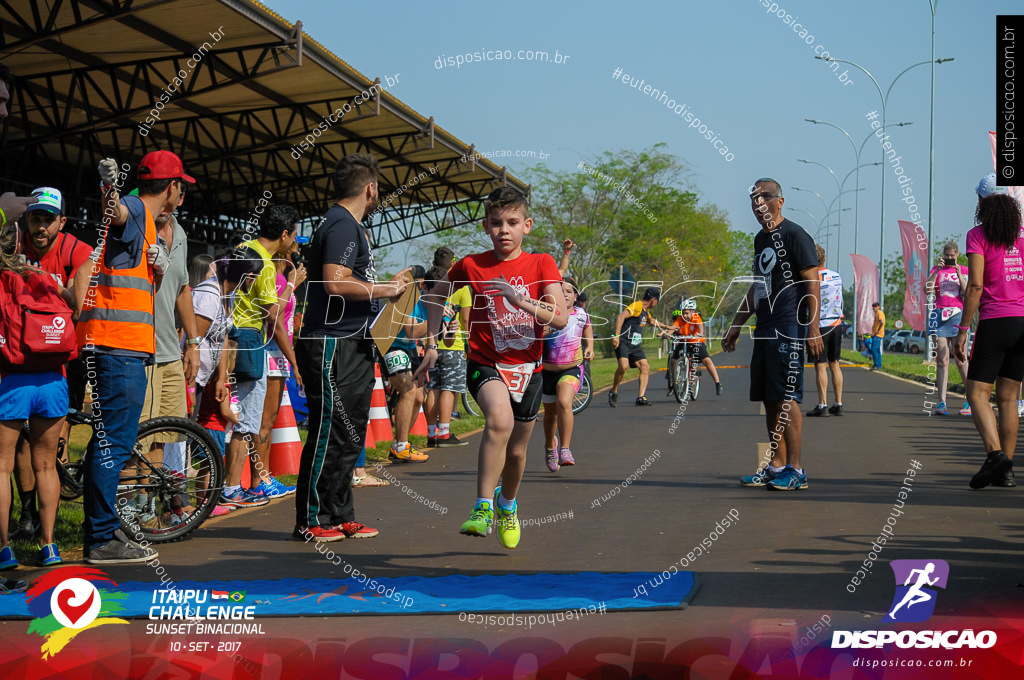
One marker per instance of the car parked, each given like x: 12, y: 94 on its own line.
x: 915, y: 342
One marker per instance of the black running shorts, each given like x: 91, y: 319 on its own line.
x: 777, y: 369
x: 832, y: 336
x: 524, y: 411
x: 998, y: 350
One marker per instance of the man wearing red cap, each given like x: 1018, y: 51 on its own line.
x: 115, y: 332
x: 168, y: 376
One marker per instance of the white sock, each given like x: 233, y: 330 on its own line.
x: 776, y: 469
x: 228, y: 490
x: 822, y: 405
x: 400, y: 445
x: 443, y: 429
x: 489, y: 501
x: 506, y: 504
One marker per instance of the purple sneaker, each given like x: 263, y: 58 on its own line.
x: 565, y: 457
x: 551, y: 457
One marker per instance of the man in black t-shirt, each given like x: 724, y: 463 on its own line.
x: 785, y: 296
x: 335, y: 355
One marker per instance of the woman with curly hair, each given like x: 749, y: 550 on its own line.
x: 995, y: 288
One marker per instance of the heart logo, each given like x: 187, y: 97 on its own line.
x: 58, y: 322
x: 73, y: 612
x: 75, y: 603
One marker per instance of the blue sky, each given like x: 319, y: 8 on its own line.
x: 746, y: 74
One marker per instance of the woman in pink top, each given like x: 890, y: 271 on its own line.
x: 947, y: 282
x: 995, y: 288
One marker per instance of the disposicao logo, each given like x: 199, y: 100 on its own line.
x: 914, y: 602
x: 67, y: 601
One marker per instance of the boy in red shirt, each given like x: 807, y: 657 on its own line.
x: 515, y: 294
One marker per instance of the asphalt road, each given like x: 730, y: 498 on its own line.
x: 787, y: 562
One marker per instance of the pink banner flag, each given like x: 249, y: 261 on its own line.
x: 915, y: 261
x: 1016, y: 192
x: 865, y: 276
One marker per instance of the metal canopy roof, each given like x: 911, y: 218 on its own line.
x: 88, y: 74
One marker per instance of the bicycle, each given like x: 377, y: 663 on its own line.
x: 159, y: 501
x: 686, y: 379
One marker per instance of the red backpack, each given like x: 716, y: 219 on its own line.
x: 36, y: 331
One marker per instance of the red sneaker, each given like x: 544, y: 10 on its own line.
x: 357, y: 530
x: 318, y: 534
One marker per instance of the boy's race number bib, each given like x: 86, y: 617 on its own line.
x: 516, y: 378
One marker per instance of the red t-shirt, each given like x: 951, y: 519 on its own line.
x: 497, y: 330
x: 63, y: 259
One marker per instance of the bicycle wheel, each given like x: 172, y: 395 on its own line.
x: 172, y: 482
x: 70, y: 477
x: 680, y: 384
x: 583, y: 397
x: 470, y: 405
x: 695, y: 384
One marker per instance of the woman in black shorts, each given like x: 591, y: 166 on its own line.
x: 995, y: 288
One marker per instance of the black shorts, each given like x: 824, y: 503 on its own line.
x: 635, y: 353
x: 551, y: 379
x: 524, y: 411
x: 832, y: 337
x: 698, y: 350
x: 393, y: 363
x: 998, y: 350
x: 777, y: 370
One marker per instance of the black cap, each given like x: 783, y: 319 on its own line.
x: 418, y: 272
x: 652, y: 294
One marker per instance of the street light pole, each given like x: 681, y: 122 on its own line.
x: 885, y: 99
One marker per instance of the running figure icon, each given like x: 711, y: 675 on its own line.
x: 915, y: 595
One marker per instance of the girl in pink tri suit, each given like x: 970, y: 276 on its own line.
x: 947, y: 282
x: 564, y: 355
x: 995, y: 289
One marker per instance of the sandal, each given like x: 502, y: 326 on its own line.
x: 642, y: 401
x: 365, y: 481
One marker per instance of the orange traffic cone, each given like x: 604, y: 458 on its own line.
x: 420, y: 426
x: 369, y: 442
x: 380, y: 421
x: 285, y: 444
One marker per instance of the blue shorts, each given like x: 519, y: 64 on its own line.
x: 23, y: 395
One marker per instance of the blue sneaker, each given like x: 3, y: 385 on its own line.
x: 760, y: 478
x: 7, y: 558
x: 242, y: 498
x: 49, y: 556
x: 788, y: 480
x: 940, y: 409
x: 281, y: 486
x: 269, y: 490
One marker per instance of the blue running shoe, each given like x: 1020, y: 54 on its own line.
x: 49, y: 556
x: 940, y: 409
x: 788, y: 480
x: 242, y: 498
x: 7, y: 558
x: 760, y: 478
x: 281, y: 486
x: 269, y: 490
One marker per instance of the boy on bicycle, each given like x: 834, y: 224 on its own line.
x: 688, y: 324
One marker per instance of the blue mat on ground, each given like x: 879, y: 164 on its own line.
x: 413, y: 594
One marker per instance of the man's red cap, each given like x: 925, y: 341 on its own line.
x: 163, y: 165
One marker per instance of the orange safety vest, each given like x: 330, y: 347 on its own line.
x: 120, y: 312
